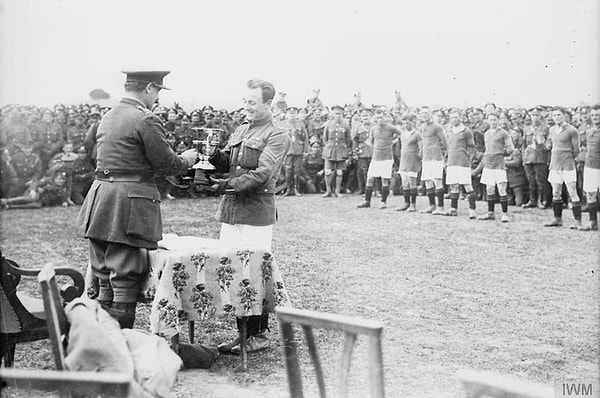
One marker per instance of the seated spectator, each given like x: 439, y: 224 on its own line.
x: 9, y: 181
x: 50, y: 191
x: 311, y: 177
x: 517, y: 180
x: 82, y: 176
x: 28, y: 166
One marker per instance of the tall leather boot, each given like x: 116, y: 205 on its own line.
x: 124, y: 313
x: 289, y: 181
x: 362, y: 180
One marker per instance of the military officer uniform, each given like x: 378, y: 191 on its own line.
x: 364, y: 152
x: 121, y: 213
x: 298, y: 147
x: 28, y: 167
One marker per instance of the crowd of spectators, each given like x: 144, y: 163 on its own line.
x: 48, y: 154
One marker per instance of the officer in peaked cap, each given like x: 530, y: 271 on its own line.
x: 149, y: 77
x: 121, y: 213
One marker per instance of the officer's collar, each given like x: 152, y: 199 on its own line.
x: 133, y: 101
x: 263, y: 120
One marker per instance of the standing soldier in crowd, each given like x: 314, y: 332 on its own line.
x: 253, y: 157
x: 337, y: 140
x: 478, y: 127
x: 591, y: 171
x: 515, y: 173
x: 292, y: 164
x: 315, y: 124
x: 315, y: 102
x: 535, y: 158
x: 381, y: 138
x: 121, y: 213
x: 434, y: 148
x: 399, y: 106
x: 76, y: 133
x: 360, y: 148
x: 497, y: 144
x: 458, y: 168
x: 411, y: 153
x: 563, y: 142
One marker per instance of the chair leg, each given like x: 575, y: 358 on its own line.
x: 243, y: 333
x: 9, y: 356
x: 191, y: 331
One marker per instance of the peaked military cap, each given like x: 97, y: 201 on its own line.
x: 147, y: 76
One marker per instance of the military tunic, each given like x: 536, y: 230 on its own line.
x: 337, y: 140
x: 131, y: 146
x: 253, y: 157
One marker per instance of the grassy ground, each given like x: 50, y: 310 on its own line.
x: 453, y: 293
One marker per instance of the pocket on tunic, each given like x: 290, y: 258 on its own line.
x: 144, y: 213
x: 83, y: 218
x: 252, y: 150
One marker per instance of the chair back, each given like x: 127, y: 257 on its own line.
x: 351, y: 326
x: 55, y: 315
x: 490, y: 384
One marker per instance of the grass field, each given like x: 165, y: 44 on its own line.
x: 453, y: 293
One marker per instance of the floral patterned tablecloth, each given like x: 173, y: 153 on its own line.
x: 194, y: 284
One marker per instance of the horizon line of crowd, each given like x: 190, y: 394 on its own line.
x: 48, y: 155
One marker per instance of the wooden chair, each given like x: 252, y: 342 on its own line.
x: 118, y: 384
x: 490, y: 384
x: 351, y: 326
x: 22, y: 318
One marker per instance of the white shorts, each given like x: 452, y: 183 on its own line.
x: 591, y: 179
x: 458, y: 175
x: 432, y: 170
x: 493, y: 176
x: 407, y: 174
x: 247, y: 236
x: 380, y: 168
x: 560, y: 176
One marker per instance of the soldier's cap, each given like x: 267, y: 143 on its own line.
x: 537, y: 108
x: 333, y: 108
x: 59, y: 172
x: 314, y: 140
x: 69, y: 157
x: 95, y: 112
x: 292, y: 108
x: 154, y: 77
x: 195, y: 112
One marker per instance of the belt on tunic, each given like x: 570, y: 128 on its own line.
x: 120, y: 176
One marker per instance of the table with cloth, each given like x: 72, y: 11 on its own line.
x: 194, y: 279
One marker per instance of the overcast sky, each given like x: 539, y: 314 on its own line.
x: 438, y: 52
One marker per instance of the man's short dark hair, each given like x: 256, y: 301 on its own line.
x: 135, y: 86
x: 596, y: 107
x: 267, y: 88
